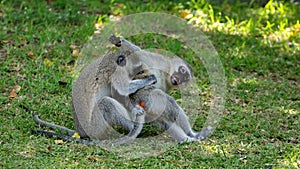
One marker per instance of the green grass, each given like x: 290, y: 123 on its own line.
x: 259, y: 48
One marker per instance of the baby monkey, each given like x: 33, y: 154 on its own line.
x: 162, y: 109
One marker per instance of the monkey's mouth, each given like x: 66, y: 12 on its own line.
x: 137, y: 73
x: 175, y: 80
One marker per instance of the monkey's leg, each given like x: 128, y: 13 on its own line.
x: 169, y: 115
x: 176, y: 132
x: 115, y: 114
x: 172, y: 111
x: 182, y: 121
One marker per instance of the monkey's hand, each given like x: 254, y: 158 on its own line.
x: 138, y: 111
x: 115, y: 40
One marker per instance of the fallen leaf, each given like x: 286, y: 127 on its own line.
x: 14, y: 91
x: 76, y: 53
x: 48, y: 62
x: 12, y: 94
x: 95, y: 158
x: 73, y: 46
x: 30, y: 54
x: 59, y: 142
x: 99, y: 25
x: 17, y: 69
x: 76, y: 135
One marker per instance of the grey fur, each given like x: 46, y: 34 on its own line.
x: 94, y: 110
x: 100, y: 94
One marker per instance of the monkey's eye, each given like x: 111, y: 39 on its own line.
x: 182, y: 69
x: 121, y: 61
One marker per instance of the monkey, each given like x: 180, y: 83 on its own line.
x: 94, y: 111
x: 161, y: 109
x: 170, y: 73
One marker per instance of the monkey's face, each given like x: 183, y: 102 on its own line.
x: 130, y: 74
x: 129, y: 65
x: 180, y: 76
x: 135, y: 68
x: 181, y: 72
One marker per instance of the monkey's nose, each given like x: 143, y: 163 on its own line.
x: 175, y: 80
x: 153, y: 78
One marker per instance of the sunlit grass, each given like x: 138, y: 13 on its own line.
x: 270, y: 22
x: 257, y: 44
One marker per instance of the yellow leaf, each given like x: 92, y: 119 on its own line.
x: 59, y: 142
x: 99, y: 25
x: 73, y: 46
x: 76, y: 135
x: 93, y: 158
x: 48, y: 62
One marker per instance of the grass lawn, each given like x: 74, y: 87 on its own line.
x: 258, y: 44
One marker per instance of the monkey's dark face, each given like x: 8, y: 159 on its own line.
x: 136, y: 71
x: 180, y: 76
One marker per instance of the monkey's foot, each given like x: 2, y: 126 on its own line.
x: 188, y: 140
x: 204, y: 133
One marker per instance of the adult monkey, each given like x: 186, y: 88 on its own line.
x: 94, y: 111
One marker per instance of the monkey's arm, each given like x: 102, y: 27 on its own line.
x: 137, y: 84
x: 134, y: 85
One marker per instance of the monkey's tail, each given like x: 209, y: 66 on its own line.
x: 67, y: 138
x: 51, y: 125
x: 47, y: 124
x: 70, y: 136
x: 122, y: 140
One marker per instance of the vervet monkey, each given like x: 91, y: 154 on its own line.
x: 94, y: 110
x: 172, y: 72
x: 169, y: 73
x: 161, y: 109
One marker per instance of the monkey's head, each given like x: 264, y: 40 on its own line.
x: 127, y: 59
x: 132, y: 66
x: 130, y: 72
x: 180, y: 72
